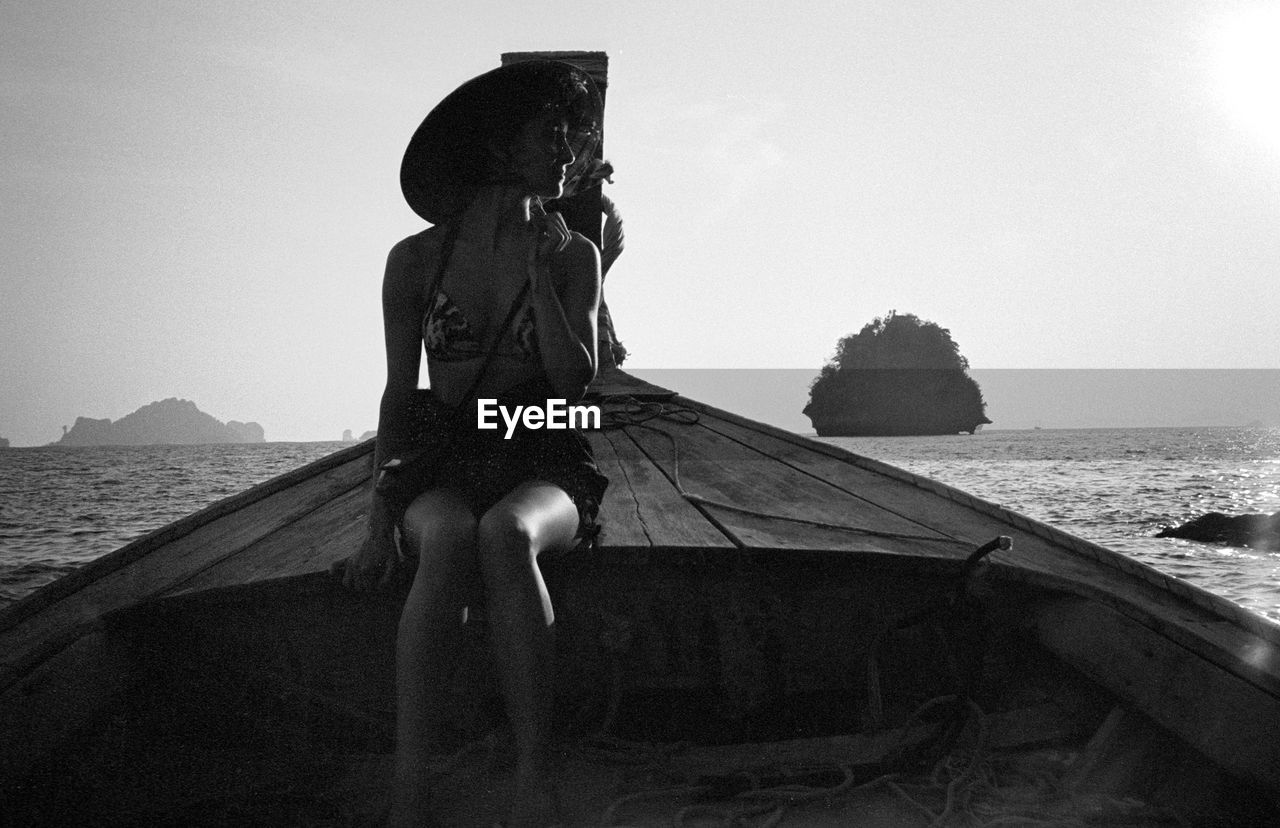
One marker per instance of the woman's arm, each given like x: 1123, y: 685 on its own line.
x: 402, y: 313
x: 565, y: 294
x: 373, y: 563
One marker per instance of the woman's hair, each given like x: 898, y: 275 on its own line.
x: 565, y: 95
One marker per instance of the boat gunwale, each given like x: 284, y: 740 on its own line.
x: 135, y: 550
x: 324, y: 582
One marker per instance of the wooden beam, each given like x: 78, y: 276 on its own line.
x: 595, y: 64
x: 1239, y: 729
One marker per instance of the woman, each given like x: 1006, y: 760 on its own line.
x: 503, y: 298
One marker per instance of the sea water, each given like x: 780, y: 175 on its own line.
x: 1118, y: 488
x: 61, y: 507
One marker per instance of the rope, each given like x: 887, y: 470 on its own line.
x: 773, y: 803
x: 610, y: 814
x: 956, y: 788
x: 618, y: 751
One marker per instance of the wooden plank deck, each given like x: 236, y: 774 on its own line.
x: 642, y: 507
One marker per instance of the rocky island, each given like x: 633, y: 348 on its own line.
x: 1258, y: 531
x: 167, y: 422
x: 898, y: 376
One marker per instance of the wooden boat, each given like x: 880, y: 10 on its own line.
x: 769, y: 631
x: 768, y: 625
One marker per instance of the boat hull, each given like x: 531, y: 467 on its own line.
x: 759, y: 606
x: 276, y: 700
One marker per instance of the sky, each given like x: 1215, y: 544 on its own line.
x: 198, y: 197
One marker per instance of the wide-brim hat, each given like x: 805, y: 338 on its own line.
x: 451, y: 153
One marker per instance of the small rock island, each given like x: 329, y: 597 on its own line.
x: 167, y: 422
x: 1258, y: 531
x: 898, y: 376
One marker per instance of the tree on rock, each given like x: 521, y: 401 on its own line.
x: 899, y: 375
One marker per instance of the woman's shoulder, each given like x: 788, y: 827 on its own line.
x: 414, y: 249
x: 407, y: 264
x: 581, y: 252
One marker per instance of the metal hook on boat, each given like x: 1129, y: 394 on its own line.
x: 1003, y: 543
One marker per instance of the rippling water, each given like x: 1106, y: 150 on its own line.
x: 62, y: 507
x: 1118, y: 487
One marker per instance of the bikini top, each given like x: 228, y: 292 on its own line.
x: 447, y: 335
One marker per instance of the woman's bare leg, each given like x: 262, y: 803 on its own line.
x: 536, y: 517
x: 440, y: 528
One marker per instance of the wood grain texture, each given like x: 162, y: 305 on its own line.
x: 619, y: 522
x: 771, y: 504
x: 656, y: 510
x: 309, y: 544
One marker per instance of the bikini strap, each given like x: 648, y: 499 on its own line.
x: 446, y: 252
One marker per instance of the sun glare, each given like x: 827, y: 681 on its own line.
x: 1248, y: 71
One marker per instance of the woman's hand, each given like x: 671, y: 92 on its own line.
x: 371, y: 567
x: 552, y: 236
